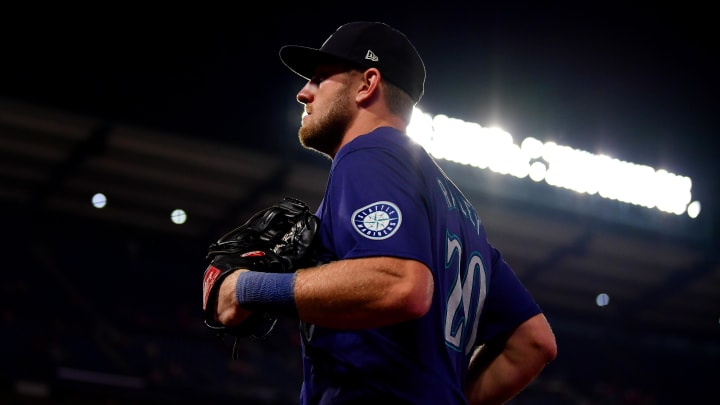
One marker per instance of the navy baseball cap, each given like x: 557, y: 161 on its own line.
x: 367, y: 44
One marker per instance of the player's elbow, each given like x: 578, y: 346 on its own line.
x: 407, y: 290
x: 415, y: 305
x: 549, y: 347
x: 545, y: 348
x: 415, y: 296
x: 547, y: 342
x: 541, y: 341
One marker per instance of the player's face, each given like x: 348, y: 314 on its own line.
x: 329, y: 110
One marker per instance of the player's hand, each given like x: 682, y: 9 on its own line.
x: 229, y: 312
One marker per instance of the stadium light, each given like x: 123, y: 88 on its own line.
x: 560, y: 166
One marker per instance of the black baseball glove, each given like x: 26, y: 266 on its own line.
x: 280, y: 238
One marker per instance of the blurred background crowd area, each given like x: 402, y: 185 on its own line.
x: 117, y: 320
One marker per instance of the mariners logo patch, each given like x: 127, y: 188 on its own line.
x: 379, y: 220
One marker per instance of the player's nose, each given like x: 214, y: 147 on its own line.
x: 305, y: 94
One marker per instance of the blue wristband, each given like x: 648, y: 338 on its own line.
x: 272, y: 292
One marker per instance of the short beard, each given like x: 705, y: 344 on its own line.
x: 327, y: 133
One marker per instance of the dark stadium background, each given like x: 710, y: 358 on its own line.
x: 192, y: 105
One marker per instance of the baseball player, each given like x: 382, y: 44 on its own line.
x: 411, y: 305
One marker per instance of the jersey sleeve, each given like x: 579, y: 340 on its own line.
x: 378, y: 206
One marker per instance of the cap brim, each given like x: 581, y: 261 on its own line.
x: 303, y: 60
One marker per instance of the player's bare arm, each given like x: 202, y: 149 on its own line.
x: 501, y: 369
x: 363, y: 293
x: 349, y: 294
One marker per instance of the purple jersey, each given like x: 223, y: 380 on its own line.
x: 387, y: 197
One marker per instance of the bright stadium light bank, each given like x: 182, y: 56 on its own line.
x: 560, y: 166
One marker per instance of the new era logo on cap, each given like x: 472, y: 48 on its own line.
x: 370, y: 55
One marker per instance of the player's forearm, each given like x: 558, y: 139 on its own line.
x: 499, y: 382
x: 504, y: 367
x: 363, y: 293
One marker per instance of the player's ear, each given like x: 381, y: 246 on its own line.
x: 370, y: 85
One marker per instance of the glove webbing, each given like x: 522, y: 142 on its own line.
x: 261, y: 229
